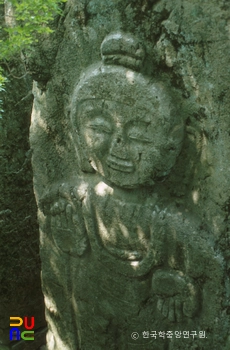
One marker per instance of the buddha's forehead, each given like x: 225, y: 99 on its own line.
x: 121, y: 85
x: 115, y: 110
x: 122, y: 93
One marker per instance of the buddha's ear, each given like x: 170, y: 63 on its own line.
x: 195, y: 136
x: 192, y: 132
x: 177, y: 133
x: 175, y: 138
x: 171, y: 150
x: 81, y: 154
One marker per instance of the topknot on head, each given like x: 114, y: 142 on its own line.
x: 122, y: 50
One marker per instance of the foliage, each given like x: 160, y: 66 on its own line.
x: 23, y: 24
x: 2, y: 82
x: 29, y: 18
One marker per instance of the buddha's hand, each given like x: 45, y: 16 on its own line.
x: 66, y: 222
x: 177, y: 294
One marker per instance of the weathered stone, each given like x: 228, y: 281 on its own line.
x: 128, y: 163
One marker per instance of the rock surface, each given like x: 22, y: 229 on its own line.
x: 130, y: 141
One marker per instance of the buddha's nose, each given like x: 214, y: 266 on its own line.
x: 118, y: 147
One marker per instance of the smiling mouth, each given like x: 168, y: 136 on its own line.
x: 122, y: 165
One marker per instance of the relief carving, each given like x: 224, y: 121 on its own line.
x: 135, y: 262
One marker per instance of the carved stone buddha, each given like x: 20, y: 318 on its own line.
x: 133, y: 257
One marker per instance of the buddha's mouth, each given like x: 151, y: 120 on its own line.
x: 122, y: 165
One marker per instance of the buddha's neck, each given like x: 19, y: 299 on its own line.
x: 139, y: 195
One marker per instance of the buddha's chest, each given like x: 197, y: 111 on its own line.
x: 122, y: 225
x: 123, y: 231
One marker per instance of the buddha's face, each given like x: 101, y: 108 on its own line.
x: 127, y: 146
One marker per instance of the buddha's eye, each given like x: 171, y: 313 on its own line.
x: 139, y: 137
x: 139, y: 132
x: 100, y: 128
x: 99, y: 125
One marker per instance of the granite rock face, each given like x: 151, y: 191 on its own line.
x: 130, y: 148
